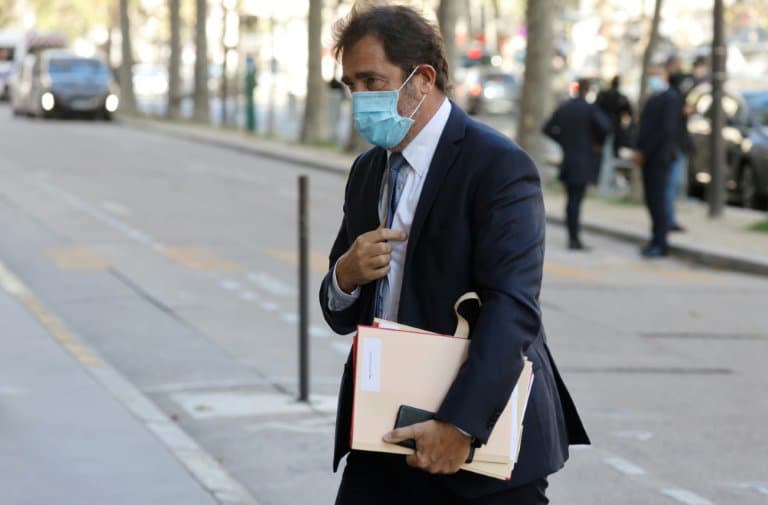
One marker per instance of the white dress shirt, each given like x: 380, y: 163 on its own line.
x: 418, y: 156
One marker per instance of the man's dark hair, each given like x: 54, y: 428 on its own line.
x: 408, y: 39
x: 616, y: 83
x: 583, y: 86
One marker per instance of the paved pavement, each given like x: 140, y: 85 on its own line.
x: 726, y: 242
x: 75, y: 432
x: 172, y: 262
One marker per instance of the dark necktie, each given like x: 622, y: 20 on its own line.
x: 395, y: 184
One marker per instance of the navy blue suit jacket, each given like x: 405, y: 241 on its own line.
x: 657, y: 136
x: 579, y: 127
x: 479, y: 226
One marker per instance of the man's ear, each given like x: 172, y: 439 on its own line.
x: 428, y: 77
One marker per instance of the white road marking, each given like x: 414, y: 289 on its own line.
x: 685, y: 496
x: 92, y: 211
x: 268, y: 306
x: 271, y: 284
x: 341, y: 347
x: 759, y: 487
x: 230, y: 285
x: 623, y: 466
x: 643, y: 436
x: 318, y: 332
x: 249, y: 296
x: 116, y: 208
x: 289, y: 317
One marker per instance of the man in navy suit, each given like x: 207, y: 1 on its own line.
x: 580, y: 128
x: 657, y: 149
x: 441, y: 206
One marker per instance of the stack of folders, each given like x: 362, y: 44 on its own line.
x: 395, y: 365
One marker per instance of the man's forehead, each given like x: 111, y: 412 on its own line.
x: 366, y: 54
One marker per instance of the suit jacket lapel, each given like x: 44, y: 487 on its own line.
x: 442, y: 163
x: 371, y: 190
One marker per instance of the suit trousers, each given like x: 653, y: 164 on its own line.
x: 385, y: 479
x: 573, y: 209
x: 655, y: 181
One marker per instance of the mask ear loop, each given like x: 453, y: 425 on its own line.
x: 408, y: 78
x: 413, y: 72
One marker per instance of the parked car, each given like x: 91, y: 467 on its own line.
x: 488, y: 90
x: 745, y: 134
x: 57, y: 82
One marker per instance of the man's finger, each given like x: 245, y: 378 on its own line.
x: 416, y: 461
x: 400, y: 434
x: 390, y: 234
x: 380, y: 261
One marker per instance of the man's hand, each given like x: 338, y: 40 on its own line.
x: 638, y: 158
x: 368, y: 258
x: 440, y: 447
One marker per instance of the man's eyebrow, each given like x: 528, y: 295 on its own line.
x: 366, y: 74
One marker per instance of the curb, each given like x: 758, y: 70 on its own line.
x: 711, y: 257
x: 339, y: 164
x: 203, y: 468
x: 309, y: 157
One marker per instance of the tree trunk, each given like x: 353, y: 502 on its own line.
x: 447, y: 13
x: 314, y: 127
x: 127, y: 96
x: 174, y: 64
x: 536, y: 98
x: 653, y: 40
x: 201, y: 112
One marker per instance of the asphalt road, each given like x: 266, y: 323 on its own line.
x: 176, y: 262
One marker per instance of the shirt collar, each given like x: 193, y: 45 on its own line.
x: 419, y: 151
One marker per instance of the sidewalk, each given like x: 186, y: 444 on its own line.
x: 75, y: 432
x: 723, y: 243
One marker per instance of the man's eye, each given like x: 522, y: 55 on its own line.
x: 372, y: 84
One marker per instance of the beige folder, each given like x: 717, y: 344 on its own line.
x: 408, y: 366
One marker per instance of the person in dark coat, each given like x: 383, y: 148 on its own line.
x: 580, y: 128
x: 657, y: 150
x: 615, y: 105
x: 682, y: 83
x: 468, y: 216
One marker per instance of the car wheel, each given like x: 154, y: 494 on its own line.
x: 747, y: 187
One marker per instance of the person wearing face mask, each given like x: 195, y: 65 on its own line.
x: 440, y: 206
x: 656, y: 151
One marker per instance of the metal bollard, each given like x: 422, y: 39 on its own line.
x: 250, y: 85
x: 303, y: 291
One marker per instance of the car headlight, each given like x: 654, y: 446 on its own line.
x: 47, y: 101
x: 111, y: 103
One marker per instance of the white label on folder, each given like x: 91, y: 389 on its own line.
x: 513, y: 442
x: 371, y: 364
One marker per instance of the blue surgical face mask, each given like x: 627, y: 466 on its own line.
x: 655, y: 84
x: 376, y: 117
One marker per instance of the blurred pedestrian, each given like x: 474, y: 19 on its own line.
x: 440, y: 206
x: 656, y: 152
x: 615, y: 105
x: 681, y: 83
x: 700, y: 70
x: 581, y: 129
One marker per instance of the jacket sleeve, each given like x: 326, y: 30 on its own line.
x: 342, y: 321
x: 508, y: 220
x: 552, y: 128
